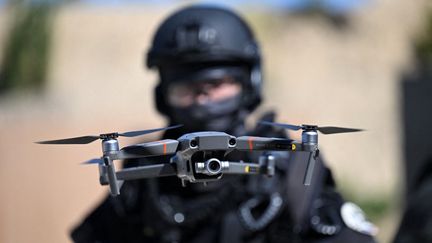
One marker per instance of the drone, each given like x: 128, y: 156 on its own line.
x: 198, y: 157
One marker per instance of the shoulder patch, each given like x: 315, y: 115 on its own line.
x: 355, y: 219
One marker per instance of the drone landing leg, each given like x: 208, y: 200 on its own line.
x: 112, y: 177
x: 310, y: 167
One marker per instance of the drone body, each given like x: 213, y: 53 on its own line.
x: 196, y: 157
x: 199, y: 156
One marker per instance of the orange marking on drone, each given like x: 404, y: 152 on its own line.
x: 250, y: 142
x: 164, y: 148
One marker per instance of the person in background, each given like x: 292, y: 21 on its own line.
x: 209, y: 65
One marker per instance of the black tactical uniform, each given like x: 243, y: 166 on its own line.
x: 416, y: 223
x: 199, y: 43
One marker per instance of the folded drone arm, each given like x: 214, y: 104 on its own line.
x: 143, y: 172
x: 250, y: 143
x: 169, y: 169
x: 243, y: 168
x: 157, y: 148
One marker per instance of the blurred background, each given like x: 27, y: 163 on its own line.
x: 76, y: 67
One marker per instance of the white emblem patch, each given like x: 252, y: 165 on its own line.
x: 355, y: 219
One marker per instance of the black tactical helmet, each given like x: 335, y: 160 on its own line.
x: 205, y: 41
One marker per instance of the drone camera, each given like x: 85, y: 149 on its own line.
x: 213, y: 166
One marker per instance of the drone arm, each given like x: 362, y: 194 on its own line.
x: 266, y: 166
x: 250, y: 143
x: 142, y: 172
x: 242, y: 168
x: 162, y: 147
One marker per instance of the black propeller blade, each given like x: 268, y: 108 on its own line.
x: 323, y: 130
x: 143, y: 132
x: 93, y: 161
x: 92, y: 138
x: 75, y: 140
x: 334, y: 130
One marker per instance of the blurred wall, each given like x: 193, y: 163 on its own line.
x: 315, y: 73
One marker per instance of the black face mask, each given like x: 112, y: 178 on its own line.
x: 223, y: 116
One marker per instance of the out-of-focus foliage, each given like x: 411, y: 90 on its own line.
x: 423, y: 45
x: 26, y: 49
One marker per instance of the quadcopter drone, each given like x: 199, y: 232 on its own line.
x: 199, y: 156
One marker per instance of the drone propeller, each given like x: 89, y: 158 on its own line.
x: 92, y: 138
x: 323, y: 130
x: 93, y: 161
x: 315, y: 152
